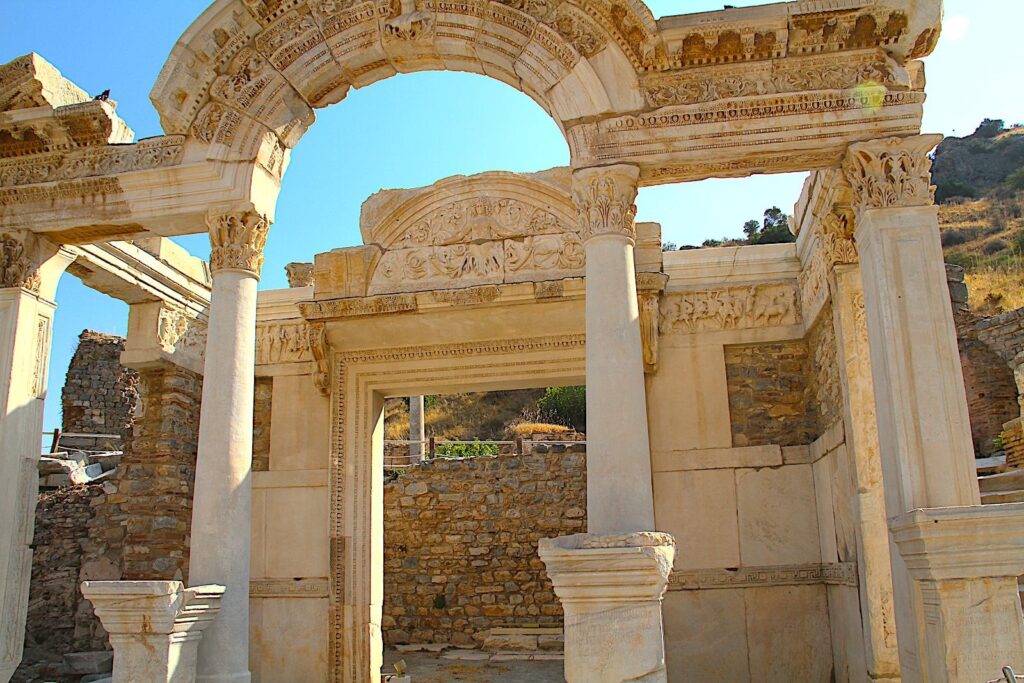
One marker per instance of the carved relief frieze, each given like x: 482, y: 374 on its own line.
x: 282, y: 343
x: 410, y: 25
x: 730, y: 308
x: 605, y: 200
x: 344, y: 308
x: 237, y: 241
x: 480, y: 218
x: 695, y: 86
x: 108, y: 160
x: 832, y: 31
x: 182, y: 333
x: 895, y: 172
x: 539, y: 253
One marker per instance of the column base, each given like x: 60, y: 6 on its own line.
x: 965, y: 562
x: 611, y: 587
x: 155, y: 627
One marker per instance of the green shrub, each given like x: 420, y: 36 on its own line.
x: 1015, y: 181
x: 565, y: 406
x: 465, y: 450
x: 953, y: 188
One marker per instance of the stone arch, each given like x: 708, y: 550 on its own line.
x: 245, y: 78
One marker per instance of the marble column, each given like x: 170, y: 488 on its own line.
x: 619, y: 491
x: 921, y: 408
x: 417, y: 428
x: 221, y: 516
x: 30, y: 268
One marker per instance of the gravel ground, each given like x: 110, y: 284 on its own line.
x: 425, y: 667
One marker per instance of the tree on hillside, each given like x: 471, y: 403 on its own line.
x: 774, y: 229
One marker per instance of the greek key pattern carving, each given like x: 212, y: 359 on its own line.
x: 237, y: 241
x: 109, y: 160
x: 835, y: 574
x: 730, y: 308
x: 289, y: 588
x: 895, y: 172
x: 282, y: 343
x: 605, y: 200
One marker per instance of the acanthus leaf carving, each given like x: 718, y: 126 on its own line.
x: 299, y: 274
x: 605, y: 200
x: 730, y: 308
x: 895, y: 172
x: 237, y: 241
x: 21, y: 254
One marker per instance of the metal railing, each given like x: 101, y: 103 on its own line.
x: 57, y: 435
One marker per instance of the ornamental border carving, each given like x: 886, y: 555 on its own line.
x: 344, y: 654
x: 833, y: 574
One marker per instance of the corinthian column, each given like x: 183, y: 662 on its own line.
x: 29, y: 270
x: 619, y: 491
x: 958, y: 617
x: 611, y: 580
x: 221, y: 517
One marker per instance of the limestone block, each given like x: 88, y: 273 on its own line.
x: 699, y: 509
x: 290, y: 638
x: 299, y: 416
x: 788, y: 634
x: 706, y: 636
x: 688, y: 399
x: 844, y: 617
x: 777, y: 516
x: 154, y: 626
x: 296, y: 532
x: 823, y: 497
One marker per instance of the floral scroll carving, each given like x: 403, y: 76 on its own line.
x: 605, y: 200
x: 895, y: 172
x: 237, y: 241
x: 730, y: 308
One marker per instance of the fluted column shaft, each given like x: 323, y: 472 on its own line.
x: 221, y: 517
x: 619, y: 491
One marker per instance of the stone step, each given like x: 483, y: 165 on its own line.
x: 524, y: 640
x: 1004, y: 481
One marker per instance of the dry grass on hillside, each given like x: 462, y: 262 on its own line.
x: 480, y: 415
x: 986, y: 237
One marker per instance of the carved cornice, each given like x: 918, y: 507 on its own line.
x: 891, y: 173
x: 21, y: 255
x: 237, y: 241
x: 605, y: 199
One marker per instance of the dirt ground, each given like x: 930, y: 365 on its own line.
x: 424, y: 667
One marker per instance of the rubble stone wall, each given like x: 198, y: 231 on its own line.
x: 460, y: 543
x: 100, y: 394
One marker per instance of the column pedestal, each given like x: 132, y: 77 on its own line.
x: 154, y: 626
x: 611, y: 587
x: 965, y: 562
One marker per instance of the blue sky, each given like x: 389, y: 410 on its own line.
x: 412, y: 130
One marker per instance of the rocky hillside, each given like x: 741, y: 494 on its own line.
x: 979, y: 183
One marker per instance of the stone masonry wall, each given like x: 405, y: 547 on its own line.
x: 61, y: 529
x: 985, y: 347
x: 771, y: 394
x: 460, y: 543
x: 99, y: 394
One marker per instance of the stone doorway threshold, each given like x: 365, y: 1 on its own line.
x: 475, y: 666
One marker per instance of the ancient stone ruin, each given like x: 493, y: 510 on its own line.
x: 780, y: 475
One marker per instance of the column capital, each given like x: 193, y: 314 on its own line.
x: 22, y: 253
x: 605, y: 198
x: 237, y: 240
x: 892, y: 172
x: 835, y: 235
